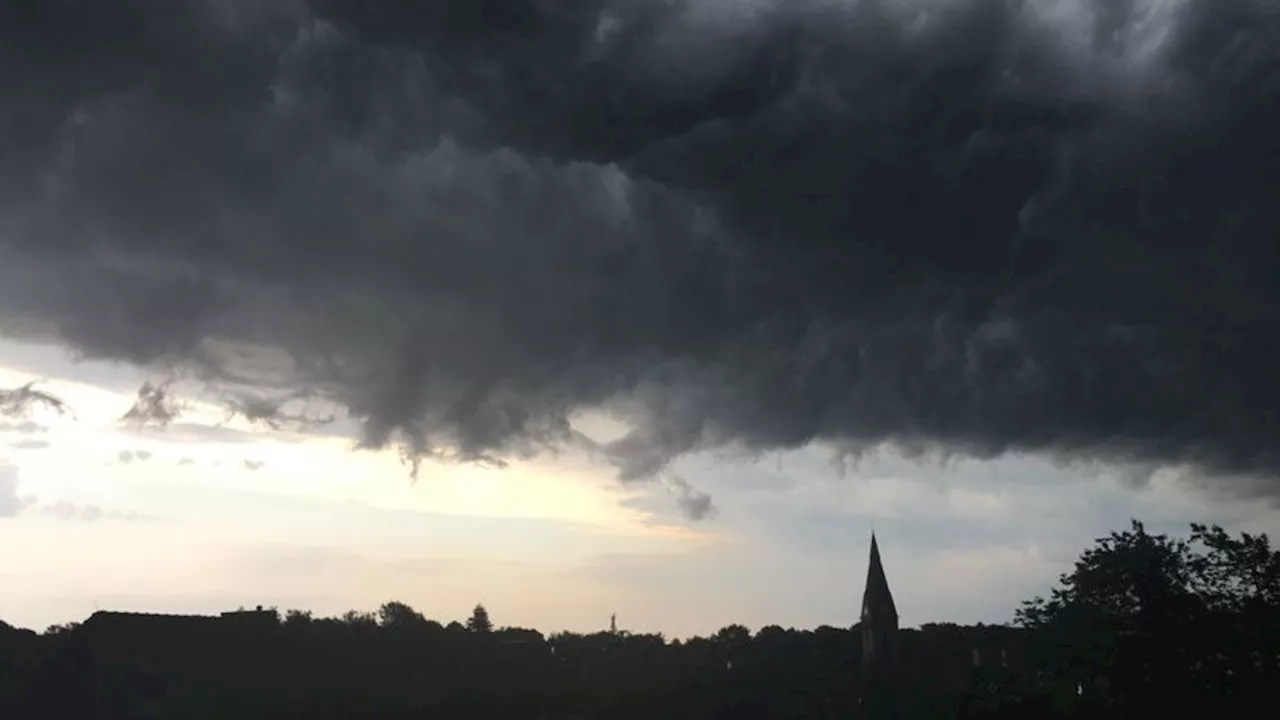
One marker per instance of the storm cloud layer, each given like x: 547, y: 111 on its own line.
x: 965, y: 225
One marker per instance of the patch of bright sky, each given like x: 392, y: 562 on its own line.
x: 316, y: 468
x: 192, y: 527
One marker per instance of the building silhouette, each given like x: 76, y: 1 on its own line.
x: 901, y: 674
x: 878, y: 628
x: 879, y: 619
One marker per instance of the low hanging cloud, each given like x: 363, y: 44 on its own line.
x: 153, y: 405
x: 24, y: 427
x: 11, y: 503
x: 968, y: 226
x: 19, y: 402
x: 195, y: 433
x: 274, y: 413
x: 694, y: 504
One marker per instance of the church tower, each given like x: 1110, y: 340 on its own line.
x: 879, y: 615
x: 879, y: 625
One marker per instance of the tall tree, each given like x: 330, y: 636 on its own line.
x: 297, y: 618
x: 1128, y: 579
x: 479, y: 621
x: 1156, y: 618
x: 1236, y: 574
x: 399, y: 616
x: 359, y: 618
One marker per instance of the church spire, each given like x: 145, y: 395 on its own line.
x: 879, y: 618
x: 877, y: 601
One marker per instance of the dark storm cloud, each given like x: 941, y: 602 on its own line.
x: 963, y: 225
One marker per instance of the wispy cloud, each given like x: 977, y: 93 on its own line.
x: 11, y: 503
x: 18, y: 402
x: 194, y: 432
x: 24, y: 427
x: 69, y: 511
x: 694, y: 504
x: 129, y: 457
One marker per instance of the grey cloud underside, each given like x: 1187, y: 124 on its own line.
x: 962, y: 229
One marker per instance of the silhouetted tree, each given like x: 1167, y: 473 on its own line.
x: 358, y: 618
x: 1236, y: 574
x: 1142, y: 621
x: 1146, y: 620
x: 399, y: 616
x: 297, y: 618
x: 1129, y: 579
x: 479, y: 621
x: 62, y: 628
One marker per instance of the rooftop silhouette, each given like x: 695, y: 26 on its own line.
x: 1143, y: 623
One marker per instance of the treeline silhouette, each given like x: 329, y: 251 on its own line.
x: 1144, y: 625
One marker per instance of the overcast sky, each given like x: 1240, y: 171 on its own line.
x: 615, y: 280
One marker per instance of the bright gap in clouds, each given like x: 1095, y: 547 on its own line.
x: 204, y: 447
x: 210, y: 513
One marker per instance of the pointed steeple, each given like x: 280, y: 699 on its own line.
x: 877, y: 601
x: 879, y: 628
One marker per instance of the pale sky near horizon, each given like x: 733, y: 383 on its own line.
x: 199, y: 518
